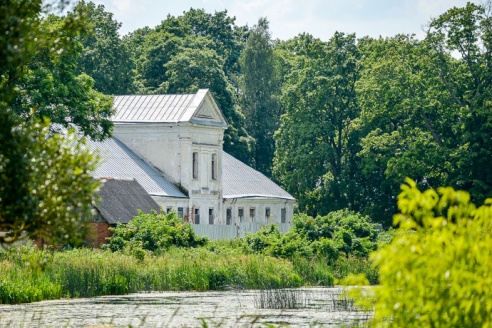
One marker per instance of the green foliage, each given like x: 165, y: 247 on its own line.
x: 104, y: 57
x: 317, y: 139
x: 28, y: 274
x: 260, y: 91
x: 154, y: 232
x: 322, y: 237
x: 439, y: 275
x: 51, y: 86
x: 46, y: 185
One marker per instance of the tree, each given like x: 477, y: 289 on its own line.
x: 50, y: 86
x: 467, y: 33
x: 405, y: 122
x: 105, y: 57
x: 436, y: 271
x: 259, y: 89
x: 315, y: 141
x: 46, y: 188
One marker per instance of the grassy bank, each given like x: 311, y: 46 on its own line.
x: 28, y: 274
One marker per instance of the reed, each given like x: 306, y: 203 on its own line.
x: 29, y: 275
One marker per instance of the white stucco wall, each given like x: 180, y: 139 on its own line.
x: 259, y: 204
x: 170, y: 148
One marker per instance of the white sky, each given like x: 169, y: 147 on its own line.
x: 288, y: 18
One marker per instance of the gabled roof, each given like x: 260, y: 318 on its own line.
x: 121, y: 200
x: 241, y: 181
x: 198, y: 108
x: 119, y: 162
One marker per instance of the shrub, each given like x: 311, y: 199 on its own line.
x: 440, y: 275
x: 153, y: 232
x: 351, y: 232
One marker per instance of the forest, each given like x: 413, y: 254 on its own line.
x: 339, y: 123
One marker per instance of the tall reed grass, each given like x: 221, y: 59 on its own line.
x: 28, y: 274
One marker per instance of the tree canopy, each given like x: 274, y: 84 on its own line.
x: 46, y: 185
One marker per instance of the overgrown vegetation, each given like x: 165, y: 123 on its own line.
x: 158, y: 251
x: 437, y: 270
x: 28, y: 274
x: 153, y: 232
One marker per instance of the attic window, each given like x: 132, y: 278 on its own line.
x: 214, y: 166
x: 195, y: 165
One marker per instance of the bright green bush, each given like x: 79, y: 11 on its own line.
x: 153, y: 232
x: 439, y: 274
x: 352, y: 232
x: 324, y: 236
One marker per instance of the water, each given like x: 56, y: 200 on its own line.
x: 317, y: 307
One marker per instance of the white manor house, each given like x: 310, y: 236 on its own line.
x: 172, y: 146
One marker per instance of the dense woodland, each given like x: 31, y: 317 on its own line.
x: 338, y: 123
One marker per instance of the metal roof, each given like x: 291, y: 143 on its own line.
x: 165, y: 109
x: 121, y: 200
x: 241, y: 181
x: 119, y: 162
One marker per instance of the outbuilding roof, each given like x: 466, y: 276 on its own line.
x: 119, y: 162
x: 121, y: 200
x: 199, y: 108
x: 241, y: 181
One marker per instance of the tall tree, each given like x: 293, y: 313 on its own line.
x: 405, y: 121
x: 260, y: 90
x: 104, y: 57
x: 466, y: 33
x: 46, y: 187
x: 315, y: 143
x: 51, y: 87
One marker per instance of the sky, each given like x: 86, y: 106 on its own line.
x: 288, y: 18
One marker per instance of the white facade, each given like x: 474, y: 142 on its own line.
x: 182, y: 137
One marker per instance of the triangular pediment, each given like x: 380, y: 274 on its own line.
x: 207, y: 112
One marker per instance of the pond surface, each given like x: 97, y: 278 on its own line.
x: 316, y: 307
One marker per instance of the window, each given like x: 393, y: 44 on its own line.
x: 214, y: 166
x: 180, y: 212
x: 252, y: 213
x: 228, y: 216
x: 267, y: 213
x: 195, y: 165
x: 210, y: 216
x: 283, y: 215
x: 169, y: 209
x: 240, y: 214
x: 197, y: 216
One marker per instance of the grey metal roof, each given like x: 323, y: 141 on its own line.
x: 151, y: 108
x: 119, y: 162
x: 164, y: 108
x: 121, y: 200
x: 241, y: 181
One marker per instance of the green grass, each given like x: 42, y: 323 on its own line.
x: 28, y: 274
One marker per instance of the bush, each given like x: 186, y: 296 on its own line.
x: 440, y: 275
x: 153, y: 232
x: 351, y: 232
